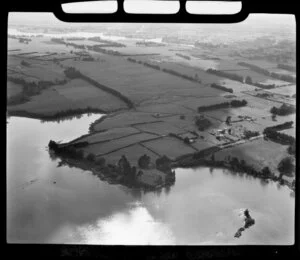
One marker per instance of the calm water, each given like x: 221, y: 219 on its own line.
x: 51, y: 204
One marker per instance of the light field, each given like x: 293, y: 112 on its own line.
x: 132, y: 153
x: 159, y: 128
x: 110, y: 146
x: 110, y: 134
x: 258, y: 153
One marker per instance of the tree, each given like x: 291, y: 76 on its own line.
x: 228, y: 120
x: 91, y: 157
x: 186, y: 140
x: 266, y: 172
x: 144, y: 161
x: 100, y: 161
x: 286, y: 166
x: 248, y: 80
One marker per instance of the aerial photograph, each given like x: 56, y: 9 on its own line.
x: 151, y: 133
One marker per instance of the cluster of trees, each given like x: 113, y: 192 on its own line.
x: 175, y: 73
x: 156, y: 67
x: 265, y: 72
x: 183, y: 56
x: 98, y: 48
x: 264, y: 86
x: 280, y: 127
x: 106, y: 43
x: 88, y: 58
x: 279, y: 137
x: 286, y: 166
x: 214, y: 85
x: 202, y: 123
x: 58, y: 40
x: 72, y: 73
x: 66, y: 151
x: 30, y: 88
x: 255, y: 68
x: 283, y: 110
x: 226, y: 75
x: 241, y: 166
x: 249, y: 81
x: 292, y: 149
x: 25, y: 63
x: 170, y: 71
x: 163, y: 164
x: 144, y: 161
x: 233, y: 103
x: 75, y: 38
x: 286, y: 67
x: 149, y: 43
x: 248, y: 134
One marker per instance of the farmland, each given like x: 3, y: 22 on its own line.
x: 150, y: 93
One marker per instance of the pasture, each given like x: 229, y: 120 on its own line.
x: 109, y: 134
x: 13, y: 89
x: 132, y: 153
x: 258, y: 153
x: 169, y: 146
x: 107, y: 147
x: 159, y: 128
x: 125, y: 119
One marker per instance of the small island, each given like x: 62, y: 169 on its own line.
x: 249, y: 221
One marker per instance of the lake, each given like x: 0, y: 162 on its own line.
x: 52, y: 203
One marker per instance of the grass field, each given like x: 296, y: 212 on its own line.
x: 139, y: 82
x: 110, y: 134
x: 160, y: 128
x: 125, y: 119
x: 259, y: 153
x: 288, y: 90
x: 73, y: 95
x: 13, y: 89
x: 110, y: 146
x: 132, y: 153
x: 169, y: 146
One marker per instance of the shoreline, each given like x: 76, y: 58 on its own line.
x: 185, y: 161
x: 190, y: 162
x: 61, y: 114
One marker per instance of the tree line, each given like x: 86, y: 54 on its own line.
x: 286, y: 67
x: 30, y: 88
x: 283, y: 110
x: 233, y: 103
x: 265, y: 72
x: 224, y: 74
x: 72, y: 73
x: 169, y: 71
x: 273, y: 134
x: 214, y: 85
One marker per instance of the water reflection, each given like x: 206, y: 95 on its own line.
x: 50, y: 204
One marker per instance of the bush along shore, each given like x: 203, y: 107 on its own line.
x: 120, y: 173
x: 231, y: 163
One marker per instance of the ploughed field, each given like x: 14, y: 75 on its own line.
x: 165, y: 90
